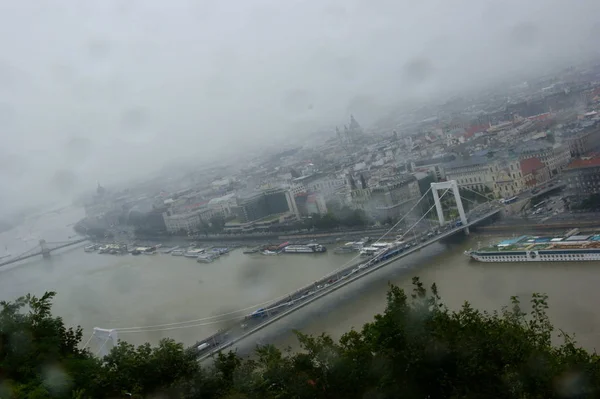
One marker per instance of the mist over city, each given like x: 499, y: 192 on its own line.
x: 189, y: 185
x: 110, y: 91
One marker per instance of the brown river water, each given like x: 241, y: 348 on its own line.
x: 112, y: 291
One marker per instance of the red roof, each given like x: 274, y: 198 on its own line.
x: 530, y: 165
x: 475, y: 129
x: 197, y: 205
x: 584, y: 162
x: 540, y: 117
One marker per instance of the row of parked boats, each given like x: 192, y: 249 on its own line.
x: 354, y: 246
x: 202, y: 255
x: 287, y: 248
x: 364, y: 248
x: 121, y: 249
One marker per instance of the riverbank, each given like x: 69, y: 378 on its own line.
x: 508, y: 225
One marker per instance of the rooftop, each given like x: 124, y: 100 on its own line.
x: 530, y: 165
x: 219, y: 200
x: 532, y: 146
x: 531, y: 243
x: 585, y: 162
x: 472, y: 161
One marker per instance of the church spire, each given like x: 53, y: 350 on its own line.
x: 354, y: 126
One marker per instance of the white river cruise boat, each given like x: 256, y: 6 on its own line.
x: 304, y: 249
x: 575, y: 248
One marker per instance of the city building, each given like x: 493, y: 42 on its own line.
x: 181, y: 222
x: 475, y: 173
x: 507, y: 177
x: 260, y: 226
x: 325, y: 185
x: 224, y: 205
x: 265, y: 203
x: 582, y: 177
x: 500, y: 174
x: 389, y: 199
x: 555, y: 157
x: 534, y: 172
x: 434, y: 166
x: 352, y: 133
x: 310, y: 204
x: 583, y: 140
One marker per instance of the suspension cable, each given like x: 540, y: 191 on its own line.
x: 125, y: 329
x: 429, y: 210
x: 335, y: 271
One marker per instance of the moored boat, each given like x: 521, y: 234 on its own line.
x: 193, y: 253
x: 221, y: 250
x: 349, y: 247
x: 206, y: 258
x: 345, y: 249
x: 575, y: 248
x: 312, y: 248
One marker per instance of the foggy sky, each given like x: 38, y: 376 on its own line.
x: 106, y: 90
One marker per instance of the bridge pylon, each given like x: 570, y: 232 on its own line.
x: 449, y: 185
x: 45, y: 249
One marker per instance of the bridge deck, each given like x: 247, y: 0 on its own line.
x: 270, y: 314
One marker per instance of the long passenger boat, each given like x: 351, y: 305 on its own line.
x: 541, y: 249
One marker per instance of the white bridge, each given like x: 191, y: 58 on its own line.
x: 448, y: 185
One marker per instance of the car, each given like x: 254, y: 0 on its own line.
x: 259, y: 313
x: 203, y: 347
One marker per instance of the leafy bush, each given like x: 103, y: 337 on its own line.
x: 416, y: 349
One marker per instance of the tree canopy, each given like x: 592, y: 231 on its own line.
x: 417, y: 348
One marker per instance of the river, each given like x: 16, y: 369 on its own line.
x: 111, y: 291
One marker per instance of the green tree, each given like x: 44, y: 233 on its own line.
x: 144, y: 370
x: 417, y: 348
x: 39, y: 356
x: 327, y: 221
x: 352, y: 217
x: 216, y: 225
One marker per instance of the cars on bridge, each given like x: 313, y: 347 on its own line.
x: 263, y: 315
